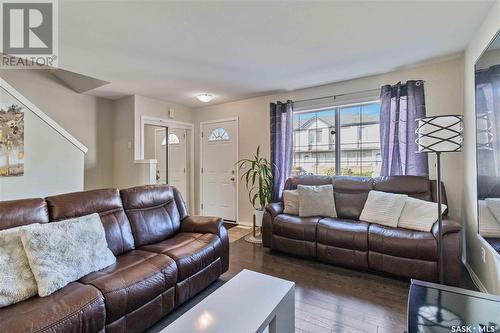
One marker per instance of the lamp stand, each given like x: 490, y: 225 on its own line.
x: 440, y: 218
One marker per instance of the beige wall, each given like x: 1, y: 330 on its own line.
x: 488, y: 272
x: 145, y: 106
x: 443, y: 94
x: 89, y: 119
x: 128, y: 167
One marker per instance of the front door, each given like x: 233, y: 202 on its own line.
x: 218, y: 169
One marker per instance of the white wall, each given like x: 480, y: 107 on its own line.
x: 487, y: 272
x: 52, y: 165
x: 89, y: 119
x: 443, y: 94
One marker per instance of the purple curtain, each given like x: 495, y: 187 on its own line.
x: 401, y: 105
x: 281, y: 145
x: 487, y: 128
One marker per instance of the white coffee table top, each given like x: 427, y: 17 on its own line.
x: 243, y: 304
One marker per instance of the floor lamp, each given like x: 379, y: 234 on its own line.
x: 439, y: 134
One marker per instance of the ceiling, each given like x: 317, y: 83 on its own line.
x: 240, y: 49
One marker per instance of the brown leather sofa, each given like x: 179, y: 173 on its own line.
x: 348, y: 242
x: 163, y: 258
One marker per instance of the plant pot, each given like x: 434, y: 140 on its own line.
x: 259, y: 215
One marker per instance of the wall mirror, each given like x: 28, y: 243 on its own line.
x: 487, y: 85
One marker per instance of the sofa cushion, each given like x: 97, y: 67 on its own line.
x: 347, y: 234
x: 107, y: 203
x: 16, y: 213
x: 153, y: 213
x: 414, y: 186
x: 350, y: 195
x: 75, y: 308
x: 192, y: 252
x: 62, y: 252
x: 295, y: 227
x: 136, y: 278
x: 402, y: 243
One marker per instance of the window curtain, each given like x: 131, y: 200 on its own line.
x: 281, y: 145
x: 488, y: 123
x: 401, y: 105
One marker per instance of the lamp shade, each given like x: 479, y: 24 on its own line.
x: 438, y: 134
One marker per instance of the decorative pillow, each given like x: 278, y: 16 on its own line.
x: 383, y: 208
x: 488, y: 224
x: 63, y: 252
x: 17, y: 282
x: 493, y: 205
x: 419, y: 214
x: 316, y: 201
x: 291, y: 202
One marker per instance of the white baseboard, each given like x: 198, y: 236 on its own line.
x: 474, y: 277
x: 245, y: 224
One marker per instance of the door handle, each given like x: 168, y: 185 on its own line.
x: 231, y: 179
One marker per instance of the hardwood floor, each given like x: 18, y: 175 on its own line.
x: 329, y: 298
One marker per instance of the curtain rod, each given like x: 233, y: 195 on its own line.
x: 340, y: 95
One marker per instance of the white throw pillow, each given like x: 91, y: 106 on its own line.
x: 383, y: 208
x: 291, y: 202
x: 488, y: 224
x: 17, y: 282
x: 419, y: 214
x: 316, y: 201
x: 62, y: 252
x: 493, y: 205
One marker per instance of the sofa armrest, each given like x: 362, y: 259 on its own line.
x: 202, y: 224
x: 449, y: 226
x: 275, y: 208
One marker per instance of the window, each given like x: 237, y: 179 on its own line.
x: 218, y: 134
x: 173, y: 139
x: 338, y: 140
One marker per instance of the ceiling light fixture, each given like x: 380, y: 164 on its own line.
x: 205, y: 98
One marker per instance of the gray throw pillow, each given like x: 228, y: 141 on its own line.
x: 316, y: 201
x: 291, y: 202
x: 63, y: 252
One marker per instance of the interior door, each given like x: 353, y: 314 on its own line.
x: 177, y: 160
x: 218, y: 170
x: 161, y: 155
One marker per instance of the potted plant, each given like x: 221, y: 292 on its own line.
x: 258, y: 177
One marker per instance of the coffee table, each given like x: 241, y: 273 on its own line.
x: 249, y: 302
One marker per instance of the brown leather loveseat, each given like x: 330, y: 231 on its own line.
x: 163, y: 258
x: 346, y: 241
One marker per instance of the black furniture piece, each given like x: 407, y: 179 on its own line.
x: 437, y: 308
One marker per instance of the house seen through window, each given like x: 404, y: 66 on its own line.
x: 338, y: 140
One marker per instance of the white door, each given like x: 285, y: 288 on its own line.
x: 161, y: 156
x: 177, y: 160
x: 218, y: 170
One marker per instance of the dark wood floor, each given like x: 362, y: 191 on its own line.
x: 327, y: 298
